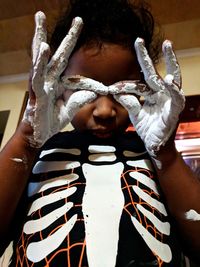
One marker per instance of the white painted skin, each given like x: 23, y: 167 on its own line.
x: 192, y: 215
x: 154, y: 121
x: 22, y: 160
x: 77, y: 82
x: 49, y: 112
x: 17, y: 160
x: 157, y: 118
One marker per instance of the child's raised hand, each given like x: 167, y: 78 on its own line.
x: 48, y: 110
x: 156, y: 120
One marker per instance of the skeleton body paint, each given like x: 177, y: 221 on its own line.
x: 90, y: 205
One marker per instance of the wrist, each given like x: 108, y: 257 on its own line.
x: 166, y: 156
x: 19, y: 147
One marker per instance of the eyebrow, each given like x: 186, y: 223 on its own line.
x: 78, y: 82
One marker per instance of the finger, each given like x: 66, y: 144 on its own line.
x: 30, y: 90
x: 146, y: 64
x: 172, y: 65
x: 40, y: 34
x: 129, y: 87
x: 78, y: 82
x: 39, y: 70
x: 73, y: 105
x: 59, y: 60
x: 130, y: 103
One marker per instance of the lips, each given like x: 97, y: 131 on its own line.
x: 102, y: 133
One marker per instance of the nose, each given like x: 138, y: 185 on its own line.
x: 104, y: 108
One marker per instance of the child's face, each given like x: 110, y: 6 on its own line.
x: 108, y: 65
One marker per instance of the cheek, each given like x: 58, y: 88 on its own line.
x: 123, y: 117
x: 82, y: 118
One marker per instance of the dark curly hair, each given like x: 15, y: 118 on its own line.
x: 111, y: 21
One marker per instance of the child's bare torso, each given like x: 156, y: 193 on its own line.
x: 95, y: 203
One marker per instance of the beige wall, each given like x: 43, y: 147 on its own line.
x: 11, y: 98
x: 12, y: 94
x: 190, y: 69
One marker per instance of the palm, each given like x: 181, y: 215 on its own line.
x: 49, y: 108
x: 157, y: 118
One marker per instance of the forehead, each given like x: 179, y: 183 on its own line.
x: 108, y: 64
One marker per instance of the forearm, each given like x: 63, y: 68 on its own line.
x: 16, y: 160
x: 182, y: 193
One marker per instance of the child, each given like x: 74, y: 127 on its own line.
x: 91, y: 197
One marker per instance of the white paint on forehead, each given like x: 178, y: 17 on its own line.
x: 101, y: 149
x: 192, y: 215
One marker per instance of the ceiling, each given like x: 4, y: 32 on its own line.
x: 180, y: 20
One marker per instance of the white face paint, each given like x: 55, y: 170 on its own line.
x: 192, y: 215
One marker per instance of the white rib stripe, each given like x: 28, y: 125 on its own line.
x: 153, y: 202
x: 108, y: 157
x: 40, y: 224
x: 146, y: 164
x: 163, y: 227
x: 128, y: 153
x: 142, y: 178
x: 101, y: 149
x: 48, y: 166
x: 34, y: 188
x: 45, y: 200
x: 72, y: 151
x: 162, y: 250
x: 37, y: 251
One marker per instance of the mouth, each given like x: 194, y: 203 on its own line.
x: 102, y: 134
